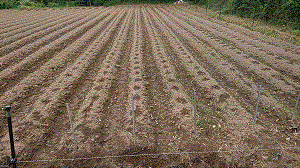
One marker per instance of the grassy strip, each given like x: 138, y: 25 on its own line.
x: 286, y: 32
x: 283, y: 32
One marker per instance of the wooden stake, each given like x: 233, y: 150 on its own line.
x: 72, y: 129
x: 195, y: 110
x: 296, y: 106
x: 133, y: 122
x: 256, y: 108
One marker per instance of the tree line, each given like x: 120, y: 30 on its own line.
x: 7, y: 4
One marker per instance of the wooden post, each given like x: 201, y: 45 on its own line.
x: 13, y: 161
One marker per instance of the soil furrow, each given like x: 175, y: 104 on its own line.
x: 184, y: 111
x: 20, y: 40
x: 204, y: 79
x: 34, y: 118
x: 107, y: 90
x: 264, y: 141
x: 284, y: 81
x: 270, y: 76
x: 284, y: 61
x: 168, y: 133
x: 163, y: 133
x: 74, y: 77
x: 232, y: 78
x: 37, y: 22
x: 12, y: 36
x: 10, y: 76
x: 245, y: 84
x: 118, y: 125
x: 95, y: 99
x: 286, y: 46
x: 26, y: 17
x: 237, y: 124
x: 47, y: 73
x: 136, y: 94
x: 239, y: 38
x: 223, y: 68
x: 181, y: 106
x: 45, y: 42
x: 203, y: 100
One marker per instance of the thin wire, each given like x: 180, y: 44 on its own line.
x: 4, y: 166
x: 103, y: 157
x: 151, y: 154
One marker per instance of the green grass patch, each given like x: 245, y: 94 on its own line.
x: 285, y: 110
x: 282, y: 24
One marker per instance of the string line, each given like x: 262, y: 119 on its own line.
x: 152, y: 154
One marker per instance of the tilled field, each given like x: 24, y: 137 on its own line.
x: 80, y: 72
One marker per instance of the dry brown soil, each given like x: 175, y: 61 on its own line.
x: 84, y: 72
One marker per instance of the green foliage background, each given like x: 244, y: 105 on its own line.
x: 8, y: 4
x: 285, y: 12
